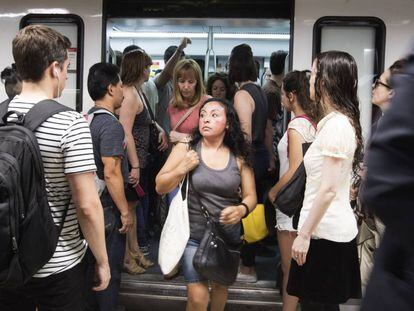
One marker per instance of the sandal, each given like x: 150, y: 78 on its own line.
x: 133, y: 268
x: 141, y: 259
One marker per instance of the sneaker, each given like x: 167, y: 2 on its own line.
x: 246, y: 278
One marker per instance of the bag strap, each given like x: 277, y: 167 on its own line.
x: 184, y: 117
x: 4, y: 106
x: 35, y: 117
x: 41, y: 112
x: 144, y: 100
x: 90, y: 116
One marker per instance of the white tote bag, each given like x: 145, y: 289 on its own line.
x: 176, y: 231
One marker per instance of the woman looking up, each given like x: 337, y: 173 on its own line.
x: 218, y: 161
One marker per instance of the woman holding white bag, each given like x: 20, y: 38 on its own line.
x: 218, y: 158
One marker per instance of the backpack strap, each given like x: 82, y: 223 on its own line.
x: 4, y: 106
x: 41, y: 112
x: 36, y: 116
x: 90, y: 116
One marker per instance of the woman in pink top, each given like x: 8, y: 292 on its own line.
x: 188, y: 95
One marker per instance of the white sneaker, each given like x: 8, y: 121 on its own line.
x: 246, y: 278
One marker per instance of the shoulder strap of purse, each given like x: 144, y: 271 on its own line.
x: 184, y: 117
x: 144, y: 100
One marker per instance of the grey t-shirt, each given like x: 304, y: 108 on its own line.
x: 165, y: 94
x: 108, y: 139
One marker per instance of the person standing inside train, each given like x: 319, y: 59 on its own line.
x: 218, y: 159
x: 301, y: 129
x: 272, y: 91
x: 251, y: 106
x: 136, y: 120
x: 218, y: 86
x: 188, y: 96
x: 12, y: 81
x: 324, y: 270
x: 172, y: 55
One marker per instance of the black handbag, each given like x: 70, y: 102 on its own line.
x: 216, y: 258
x: 289, y: 199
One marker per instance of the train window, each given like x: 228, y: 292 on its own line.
x: 364, y: 39
x: 71, y: 26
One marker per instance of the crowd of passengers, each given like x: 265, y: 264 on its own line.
x: 144, y: 135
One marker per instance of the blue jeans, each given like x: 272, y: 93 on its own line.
x: 190, y: 273
x: 143, y: 210
x: 107, y: 299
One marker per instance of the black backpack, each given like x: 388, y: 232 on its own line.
x: 28, y: 234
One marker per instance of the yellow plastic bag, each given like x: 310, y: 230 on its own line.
x: 254, y: 225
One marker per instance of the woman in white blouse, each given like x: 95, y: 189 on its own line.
x: 301, y: 129
x: 325, y: 271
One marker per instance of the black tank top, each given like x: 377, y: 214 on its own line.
x: 259, y: 116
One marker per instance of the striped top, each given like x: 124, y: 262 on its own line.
x: 66, y: 147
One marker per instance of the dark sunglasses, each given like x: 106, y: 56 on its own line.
x: 378, y: 82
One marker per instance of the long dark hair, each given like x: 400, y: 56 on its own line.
x: 234, y: 137
x: 241, y: 64
x: 297, y: 82
x: 337, y: 79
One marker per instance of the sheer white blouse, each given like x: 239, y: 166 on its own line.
x: 335, y: 137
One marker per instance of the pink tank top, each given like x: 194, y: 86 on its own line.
x: 190, y: 122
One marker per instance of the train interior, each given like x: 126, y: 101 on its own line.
x: 211, y: 42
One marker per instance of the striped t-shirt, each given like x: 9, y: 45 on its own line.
x: 66, y: 147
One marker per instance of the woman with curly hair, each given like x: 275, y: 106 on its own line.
x: 218, y: 86
x: 218, y: 158
x: 324, y: 271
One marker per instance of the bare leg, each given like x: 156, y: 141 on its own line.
x: 197, y: 297
x: 219, y: 295
x: 131, y: 236
x: 285, y: 240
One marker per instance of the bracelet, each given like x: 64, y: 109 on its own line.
x: 134, y: 167
x: 247, y: 209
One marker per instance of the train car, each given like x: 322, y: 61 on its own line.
x: 375, y: 32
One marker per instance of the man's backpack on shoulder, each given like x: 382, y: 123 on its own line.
x: 28, y: 234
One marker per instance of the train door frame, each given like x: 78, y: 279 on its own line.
x: 65, y: 19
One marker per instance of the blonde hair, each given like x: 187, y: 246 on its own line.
x: 133, y: 66
x: 183, y: 66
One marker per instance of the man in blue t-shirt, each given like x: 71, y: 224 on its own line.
x: 108, y: 137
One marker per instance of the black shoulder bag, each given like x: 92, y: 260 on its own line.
x: 289, y: 200
x: 216, y: 258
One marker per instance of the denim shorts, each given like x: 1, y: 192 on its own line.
x: 190, y: 273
